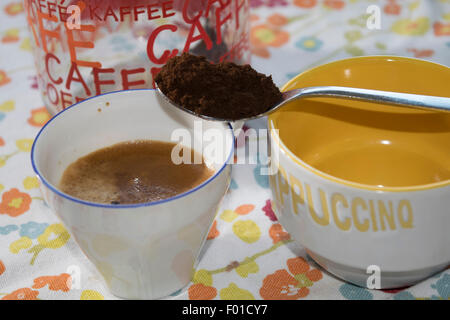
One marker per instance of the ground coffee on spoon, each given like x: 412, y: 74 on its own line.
x: 224, y: 90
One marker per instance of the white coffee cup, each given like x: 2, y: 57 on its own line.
x: 147, y: 250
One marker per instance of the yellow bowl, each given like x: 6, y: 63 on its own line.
x: 362, y: 184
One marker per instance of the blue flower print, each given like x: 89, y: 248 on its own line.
x: 442, y: 286
x: 404, y: 295
x: 233, y: 185
x: 309, y: 44
x: 352, y: 292
x: 32, y: 229
x: 8, y: 229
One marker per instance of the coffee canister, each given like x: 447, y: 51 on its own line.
x: 90, y: 47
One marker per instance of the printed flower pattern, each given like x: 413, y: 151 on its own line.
x: 353, y: 292
x: 309, y: 43
x: 269, y: 34
x: 4, y: 79
x: 54, y: 236
x: 392, y: 7
x: 30, y: 183
x: 39, y: 117
x: 91, y: 295
x: 441, y: 29
x: 277, y: 233
x: 247, y: 230
x: 2, y: 267
x: 247, y: 267
x: 32, y: 229
x: 22, y: 294
x: 203, y: 276
x: 334, y: 4
x: 268, y: 211
x: 24, y: 144
x: 213, y: 232
x: 421, y: 53
x: 292, y: 285
x: 233, y: 292
x: 22, y: 243
x: 199, y: 291
x: 7, y: 106
x: 268, y: 3
x: 409, y: 27
x: 10, y: 36
x: 277, y: 20
x: 14, y: 8
x: 63, y: 282
x: 8, y: 229
x: 14, y: 203
x: 442, y: 287
x: 51, y: 237
x: 242, y: 210
x: 305, y: 3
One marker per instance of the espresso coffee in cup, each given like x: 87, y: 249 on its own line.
x: 132, y: 172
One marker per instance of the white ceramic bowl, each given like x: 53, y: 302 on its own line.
x: 356, y: 230
x: 147, y: 250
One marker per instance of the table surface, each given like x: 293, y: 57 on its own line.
x: 37, y: 254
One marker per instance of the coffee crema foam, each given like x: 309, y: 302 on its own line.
x: 131, y: 172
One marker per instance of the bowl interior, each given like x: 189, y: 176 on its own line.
x: 123, y: 116
x: 367, y: 143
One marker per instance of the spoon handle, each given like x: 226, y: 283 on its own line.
x: 378, y: 96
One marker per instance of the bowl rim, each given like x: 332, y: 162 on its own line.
x: 277, y: 139
x: 119, y: 206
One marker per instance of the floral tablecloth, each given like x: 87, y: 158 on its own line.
x: 38, y: 255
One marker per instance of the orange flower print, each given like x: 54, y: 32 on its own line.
x: 4, y: 79
x: 278, y: 20
x: 410, y: 27
x: 262, y: 52
x: 441, y: 29
x: 253, y: 17
x: 9, y: 39
x: 199, y: 291
x: 392, y: 8
x: 11, y: 35
x: 2, y: 267
x: 244, y: 209
x: 14, y: 8
x: 305, y: 3
x: 62, y: 282
x: 22, y: 294
x: 39, y: 117
x: 418, y: 53
x: 334, y: 4
x: 2, y: 142
x: 14, y: 203
x: 277, y: 233
x: 213, y: 232
x: 265, y: 35
x: 292, y: 285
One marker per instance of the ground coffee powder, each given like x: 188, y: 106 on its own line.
x: 224, y: 90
